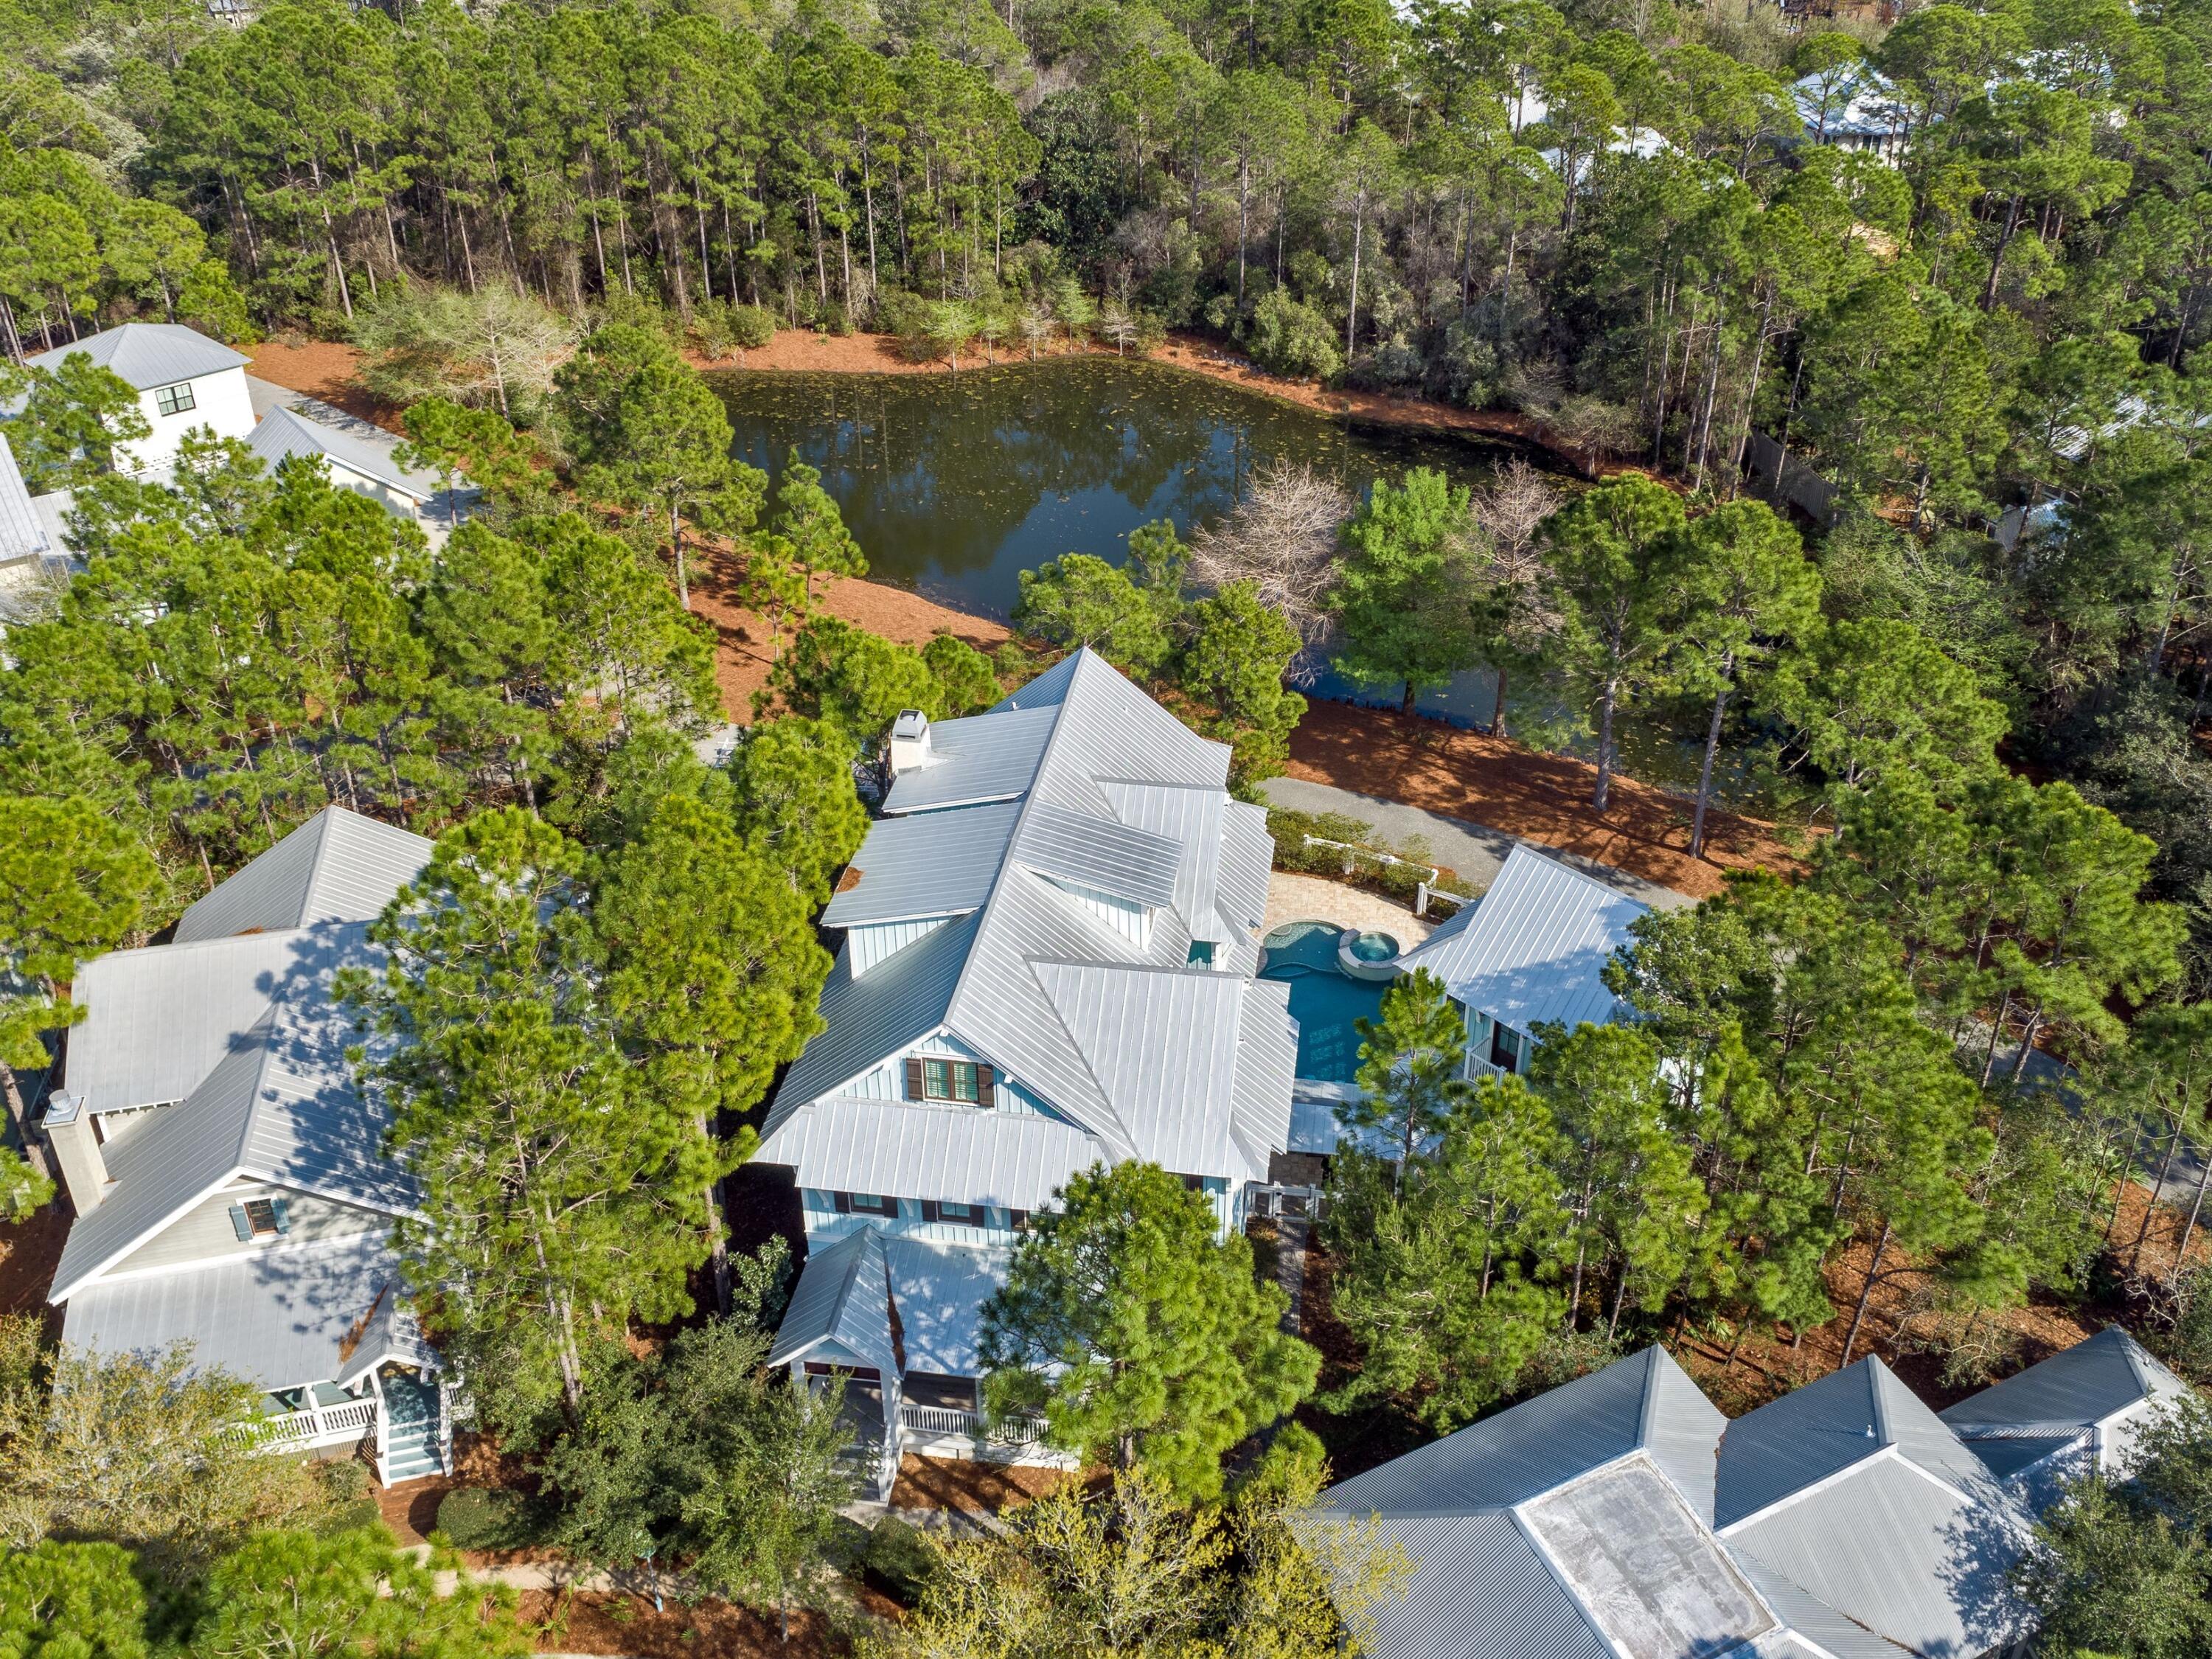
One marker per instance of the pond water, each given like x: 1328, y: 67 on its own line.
x: 956, y: 484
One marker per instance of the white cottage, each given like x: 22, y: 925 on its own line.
x: 183, y: 380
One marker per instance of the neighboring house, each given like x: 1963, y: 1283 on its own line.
x: 33, y: 563
x: 356, y: 454
x: 1622, y: 1514
x: 1532, y: 951
x: 229, y: 1182
x: 1857, y: 110
x: 185, y: 382
x: 2086, y: 1408
x: 1049, y: 941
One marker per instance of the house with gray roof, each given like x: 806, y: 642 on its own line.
x: 229, y: 1181
x: 1532, y: 952
x: 1622, y: 1515
x: 1046, y: 958
x: 185, y: 382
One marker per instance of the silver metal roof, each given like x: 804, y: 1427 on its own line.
x: 158, y: 1020
x: 1535, y: 947
x: 2073, y: 1390
x: 147, y: 355
x: 932, y: 864
x: 1260, y: 1108
x: 939, y: 1291
x: 22, y: 536
x: 1829, y: 1632
x: 1013, y: 1160
x: 289, y: 434
x: 1118, y: 1033
x: 1479, y: 1589
x: 281, y: 1106
x: 841, y: 1309
x: 1811, y: 1433
x: 280, y: 1317
x: 336, y: 867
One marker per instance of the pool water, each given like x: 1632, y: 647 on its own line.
x: 1374, y: 947
x: 1324, y: 1000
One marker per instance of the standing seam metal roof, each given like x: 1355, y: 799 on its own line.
x: 22, y: 535
x: 842, y: 1296
x: 286, y: 434
x: 336, y: 867
x: 147, y: 355
x: 1533, y: 948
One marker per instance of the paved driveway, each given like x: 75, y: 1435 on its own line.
x: 1474, y: 850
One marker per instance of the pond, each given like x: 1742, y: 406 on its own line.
x: 956, y: 484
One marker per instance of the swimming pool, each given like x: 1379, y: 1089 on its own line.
x: 1324, y: 1000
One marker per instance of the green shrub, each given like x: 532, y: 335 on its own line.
x: 482, y: 1518
x: 1290, y: 337
x: 900, y: 1559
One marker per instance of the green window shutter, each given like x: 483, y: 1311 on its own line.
x: 239, y: 1224
x: 284, y: 1211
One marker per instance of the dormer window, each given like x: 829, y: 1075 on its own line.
x: 260, y: 1218
x: 176, y: 399
x: 956, y: 1081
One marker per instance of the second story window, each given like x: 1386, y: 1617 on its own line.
x: 875, y: 1203
x: 175, y: 399
x: 260, y: 1218
x: 1505, y: 1047
x: 962, y: 1082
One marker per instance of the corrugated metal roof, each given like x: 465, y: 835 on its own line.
x: 1813, y: 1432
x: 147, y: 355
x: 2076, y: 1387
x: 1806, y: 1615
x: 984, y: 757
x: 22, y: 535
x: 939, y: 1290
x: 281, y: 1106
x: 1535, y: 948
x: 158, y: 1019
x: 279, y: 1317
x: 933, y: 863
x: 1013, y: 1160
x: 1099, y: 854
x: 287, y: 434
x: 842, y: 1303
x: 336, y: 867
x: 1642, y: 1401
x: 1901, y: 1553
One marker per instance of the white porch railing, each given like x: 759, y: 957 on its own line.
x: 317, y: 1425
x: 941, y: 1419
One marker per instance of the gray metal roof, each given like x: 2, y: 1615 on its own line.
x: 157, y: 1020
x: 2074, y: 1390
x: 147, y: 355
x: 1807, y: 1615
x: 336, y: 867
x: 281, y: 1106
x: 21, y: 534
x: 1478, y: 1590
x: 289, y: 434
x: 280, y: 1317
x: 1013, y: 1160
x: 939, y: 1291
x: 932, y: 864
x: 1643, y: 1401
x: 840, y: 1310
x: 1811, y: 1433
x: 1260, y: 1108
x: 1121, y: 1034
x: 1535, y: 947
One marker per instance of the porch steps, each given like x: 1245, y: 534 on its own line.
x: 413, y: 1443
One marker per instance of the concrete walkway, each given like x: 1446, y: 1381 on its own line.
x: 1474, y: 851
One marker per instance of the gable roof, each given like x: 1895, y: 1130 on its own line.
x: 1533, y: 948
x: 147, y: 355
x: 280, y: 1106
x: 336, y: 867
x: 285, y: 434
x: 842, y: 1301
x: 2073, y: 1390
x: 1077, y: 784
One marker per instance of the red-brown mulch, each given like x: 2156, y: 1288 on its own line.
x: 970, y: 1486
x: 1544, y: 798
x: 608, y: 1623
x: 328, y: 369
x: 29, y: 1252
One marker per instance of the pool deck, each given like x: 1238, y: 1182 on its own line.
x: 1313, y: 898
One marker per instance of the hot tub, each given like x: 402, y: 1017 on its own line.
x: 1369, y: 955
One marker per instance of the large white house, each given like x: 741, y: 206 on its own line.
x: 183, y: 380
x: 229, y: 1181
x: 1049, y: 941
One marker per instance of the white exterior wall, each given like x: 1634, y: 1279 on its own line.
x: 204, y: 1233
x: 221, y: 403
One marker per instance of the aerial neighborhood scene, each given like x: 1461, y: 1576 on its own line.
x: 1106, y: 829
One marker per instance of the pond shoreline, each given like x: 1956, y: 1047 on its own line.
x: 798, y: 351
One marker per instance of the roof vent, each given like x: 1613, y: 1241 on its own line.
x: 910, y: 742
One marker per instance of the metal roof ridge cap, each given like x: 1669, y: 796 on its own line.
x: 1832, y: 1478
x: 1877, y: 1402
x: 1647, y: 1406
